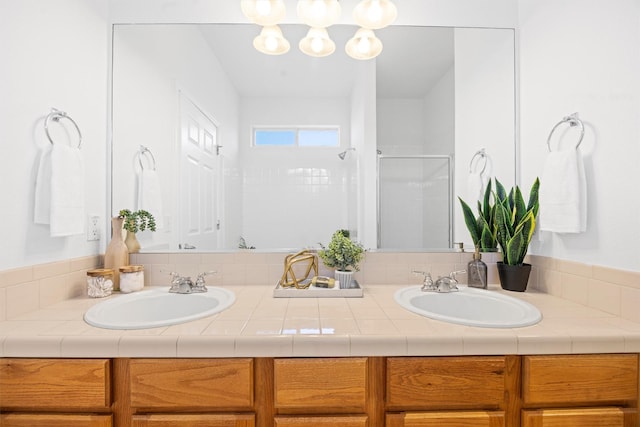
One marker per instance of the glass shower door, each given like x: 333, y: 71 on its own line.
x: 414, y: 202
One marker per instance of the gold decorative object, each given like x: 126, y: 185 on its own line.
x: 292, y: 263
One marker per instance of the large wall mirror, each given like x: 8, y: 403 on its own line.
x: 418, y: 126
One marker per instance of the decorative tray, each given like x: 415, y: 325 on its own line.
x: 355, y: 291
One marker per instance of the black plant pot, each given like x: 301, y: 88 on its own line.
x: 514, y: 277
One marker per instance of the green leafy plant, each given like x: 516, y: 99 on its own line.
x: 342, y: 252
x: 135, y: 221
x: 482, y: 228
x: 516, y: 223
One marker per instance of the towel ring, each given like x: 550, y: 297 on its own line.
x: 143, y: 153
x: 480, y: 155
x: 573, y: 120
x: 56, y: 115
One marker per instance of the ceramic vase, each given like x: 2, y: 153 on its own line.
x: 345, y: 278
x: 132, y: 243
x: 117, y: 253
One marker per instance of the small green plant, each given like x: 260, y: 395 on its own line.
x: 137, y: 220
x: 342, y: 252
x: 516, y: 223
x: 482, y: 228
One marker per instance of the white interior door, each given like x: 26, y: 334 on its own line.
x: 198, y: 212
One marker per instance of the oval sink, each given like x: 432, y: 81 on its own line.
x: 157, y: 307
x: 470, y: 307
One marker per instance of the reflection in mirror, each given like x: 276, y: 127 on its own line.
x: 193, y: 95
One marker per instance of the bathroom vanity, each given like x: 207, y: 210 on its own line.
x: 527, y: 391
x: 346, y: 362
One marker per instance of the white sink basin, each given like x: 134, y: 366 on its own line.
x: 470, y: 306
x: 157, y: 307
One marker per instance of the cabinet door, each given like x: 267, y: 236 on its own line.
x: 195, y: 384
x: 416, y: 383
x: 55, y: 384
x: 585, y: 379
x: 320, y: 421
x: 52, y: 420
x: 579, y: 417
x: 447, y: 419
x: 336, y: 385
x: 199, y: 420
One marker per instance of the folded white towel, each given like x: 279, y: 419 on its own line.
x: 475, y: 188
x: 150, y: 194
x: 42, y: 202
x: 563, y: 193
x: 67, y: 191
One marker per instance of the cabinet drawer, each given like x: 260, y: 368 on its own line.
x: 199, y: 420
x: 55, y: 383
x: 601, y: 417
x: 332, y: 385
x: 446, y: 419
x: 311, y: 421
x: 51, y: 420
x: 585, y: 379
x: 445, y: 382
x: 192, y: 383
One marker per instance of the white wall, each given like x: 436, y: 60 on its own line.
x: 485, y: 91
x: 54, y: 54
x: 584, y: 56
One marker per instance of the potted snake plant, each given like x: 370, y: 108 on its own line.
x: 482, y: 228
x: 515, y: 222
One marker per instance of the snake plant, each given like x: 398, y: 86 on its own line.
x: 516, y: 222
x: 482, y: 228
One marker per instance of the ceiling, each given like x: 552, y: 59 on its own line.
x: 413, y: 59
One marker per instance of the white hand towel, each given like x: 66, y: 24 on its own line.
x: 67, y: 191
x: 475, y: 188
x: 42, y: 202
x: 150, y: 194
x: 563, y: 193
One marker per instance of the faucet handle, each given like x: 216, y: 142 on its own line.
x: 427, y: 285
x: 453, y: 274
x: 200, y: 277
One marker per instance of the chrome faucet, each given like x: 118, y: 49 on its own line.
x: 443, y: 284
x: 184, y: 284
x: 448, y: 283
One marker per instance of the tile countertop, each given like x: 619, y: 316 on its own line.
x: 258, y: 325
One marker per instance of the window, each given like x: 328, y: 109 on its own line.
x: 297, y: 137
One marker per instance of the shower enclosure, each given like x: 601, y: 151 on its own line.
x: 415, y: 201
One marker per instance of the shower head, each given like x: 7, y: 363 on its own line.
x: 344, y: 153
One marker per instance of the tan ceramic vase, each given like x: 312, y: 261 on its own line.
x: 132, y: 243
x: 117, y: 253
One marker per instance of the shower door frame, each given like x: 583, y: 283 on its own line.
x: 450, y: 167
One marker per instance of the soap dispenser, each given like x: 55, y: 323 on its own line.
x: 477, y: 271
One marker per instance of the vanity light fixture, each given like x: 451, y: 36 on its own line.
x: 319, y: 13
x: 317, y: 43
x: 375, y: 14
x: 364, y: 45
x: 271, y: 41
x: 264, y: 12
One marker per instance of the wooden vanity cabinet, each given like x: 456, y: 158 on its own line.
x: 324, y: 391
x: 451, y: 391
x: 580, y: 390
x: 187, y: 392
x: 484, y: 391
x: 55, y: 392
